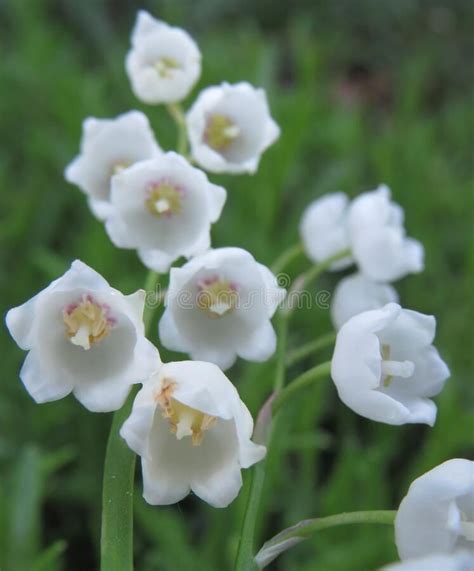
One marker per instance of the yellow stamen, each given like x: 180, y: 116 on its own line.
x: 220, y: 132
x: 86, y: 322
x: 164, y: 199
x: 165, y: 67
x: 183, y: 420
x: 217, y: 297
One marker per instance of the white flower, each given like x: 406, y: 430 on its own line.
x: 163, y: 63
x: 323, y: 229
x: 229, y: 127
x: 219, y: 305
x: 107, y: 147
x: 377, y: 238
x: 83, y: 336
x: 437, y: 514
x: 164, y: 208
x: 355, y: 294
x: 385, y: 367
x: 193, y: 433
x: 460, y: 561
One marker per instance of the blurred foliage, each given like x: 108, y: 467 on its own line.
x: 365, y: 92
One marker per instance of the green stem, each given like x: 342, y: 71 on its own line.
x: 287, y: 257
x: 152, y: 298
x: 302, y: 381
x: 177, y: 113
x: 306, y: 528
x: 302, y: 281
x: 311, y: 347
x: 245, y: 553
x: 116, y: 545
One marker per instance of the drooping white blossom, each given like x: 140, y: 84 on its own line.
x: 219, y: 306
x: 437, y: 514
x: 385, y: 366
x: 107, y: 147
x: 193, y: 434
x: 164, y: 62
x: 459, y: 561
x: 324, y: 229
x: 164, y: 208
x: 378, y: 240
x: 357, y: 293
x: 229, y: 127
x: 83, y: 336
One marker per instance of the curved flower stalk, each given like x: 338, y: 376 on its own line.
x: 107, y: 147
x: 83, y: 336
x: 357, y: 293
x: 324, y: 231
x: 193, y: 433
x: 437, y: 514
x: 164, y: 208
x: 371, y: 226
x: 385, y: 366
x: 219, y: 306
x: 163, y: 63
x: 229, y: 127
x: 459, y: 561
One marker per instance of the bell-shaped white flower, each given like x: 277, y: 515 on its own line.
x: 83, y: 336
x: 459, y: 561
x: 193, y: 433
x: 385, y: 366
x: 323, y: 229
x: 107, y: 147
x: 437, y: 514
x: 163, y: 63
x: 357, y: 293
x: 229, y: 127
x: 164, y: 208
x: 377, y: 238
x: 219, y: 305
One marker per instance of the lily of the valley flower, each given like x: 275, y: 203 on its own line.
x: 83, y: 336
x: 219, y: 305
x: 459, y: 561
x: 385, y: 366
x: 193, y: 433
x: 324, y: 231
x: 437, y: 514
x: 107, y: 147
x: 164, y: 208
x: 377, y: 236
x: 355, y: 294
x: 229, y: 127
x: 163, y: 63
x: 371, y: 227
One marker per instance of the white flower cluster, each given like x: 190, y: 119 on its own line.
x: 188, y: 422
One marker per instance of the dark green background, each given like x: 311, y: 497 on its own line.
x: 365, y: 92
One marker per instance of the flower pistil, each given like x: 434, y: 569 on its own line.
x: 87, y: 322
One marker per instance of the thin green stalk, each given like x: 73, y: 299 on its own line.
x: 177, y: 113
x: 246, y: 549
x: 309, y: 348
x: 302, y: 381
x: 306, y: 528
x: 287, y: 257
x: 244, y: 559
x: 116, y: 545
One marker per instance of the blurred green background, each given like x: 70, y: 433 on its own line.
x: 365, y: 92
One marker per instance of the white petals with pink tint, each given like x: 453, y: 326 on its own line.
x: 164, y: 208
x: 219, y: 306
x: 107, y: 147
x: 83, y: 336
